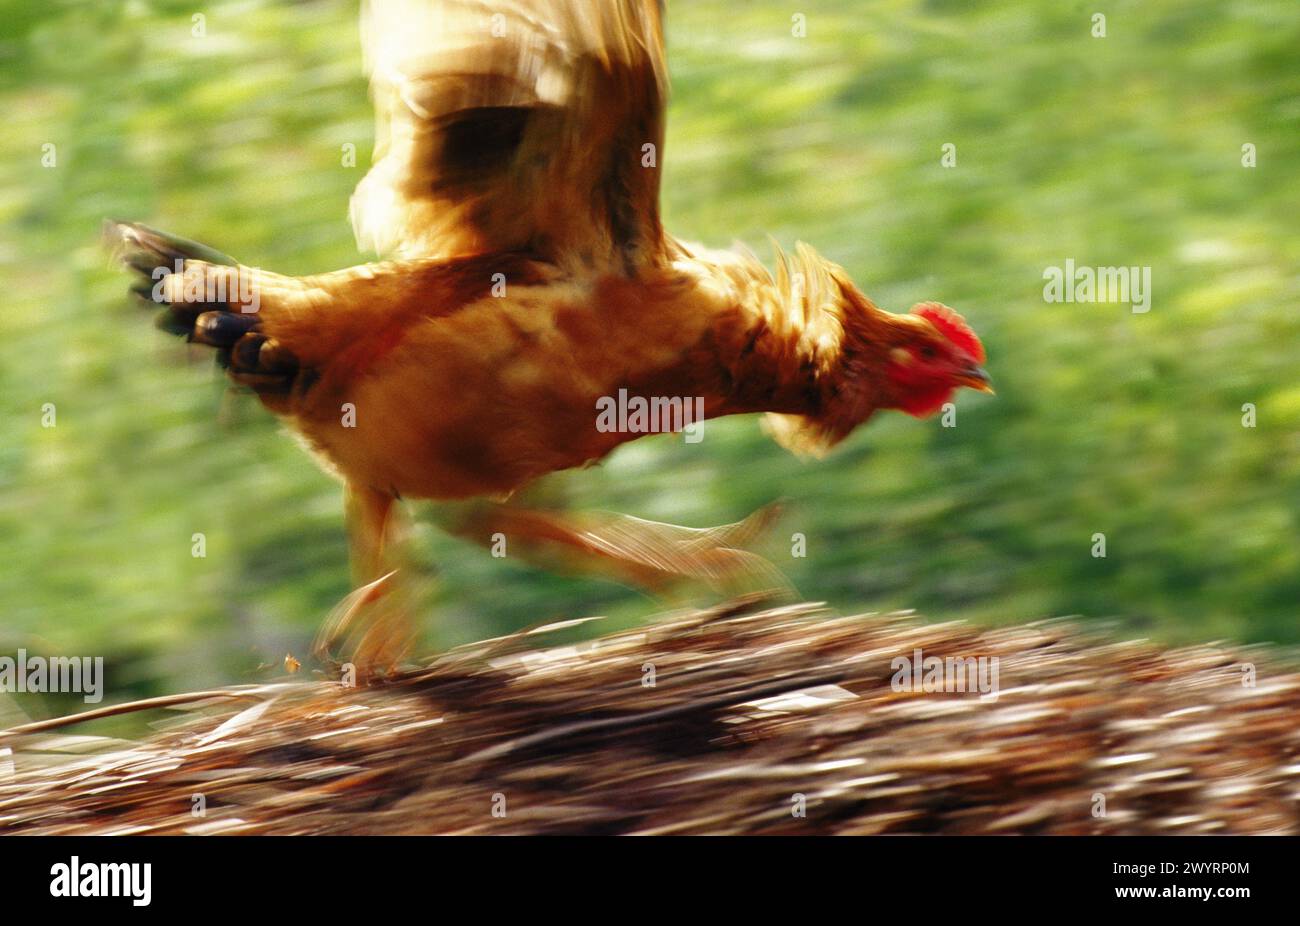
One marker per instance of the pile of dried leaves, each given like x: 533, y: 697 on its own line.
x: 737, y: 720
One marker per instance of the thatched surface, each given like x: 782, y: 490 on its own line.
x: 748, y: 710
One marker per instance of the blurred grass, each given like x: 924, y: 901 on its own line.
x: 1117, y: 151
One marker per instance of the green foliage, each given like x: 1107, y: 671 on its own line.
x: 1123, y: 150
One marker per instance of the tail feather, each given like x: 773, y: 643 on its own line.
x: 205, y: 297
x: 135, y: 241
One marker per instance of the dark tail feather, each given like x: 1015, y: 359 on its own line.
x: 252, y: 358
x: 143, y: 248
x: 153, y: 256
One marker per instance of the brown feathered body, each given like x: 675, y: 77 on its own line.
x: 527, y: 277
x: 413, y: 378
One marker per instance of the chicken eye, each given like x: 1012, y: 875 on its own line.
x: 928, y: 352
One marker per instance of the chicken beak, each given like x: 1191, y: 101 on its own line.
x: 975, y: 378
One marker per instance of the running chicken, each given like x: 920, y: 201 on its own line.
x: 526, y: 280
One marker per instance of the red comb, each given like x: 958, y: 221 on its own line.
x: 952, y: 326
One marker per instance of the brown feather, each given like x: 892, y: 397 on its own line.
x: 516, y: 124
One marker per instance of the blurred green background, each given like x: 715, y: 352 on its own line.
x: 1123, y: 150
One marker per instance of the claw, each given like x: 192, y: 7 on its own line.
x: 371, y: 627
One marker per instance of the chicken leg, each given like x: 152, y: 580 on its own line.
x: 374, y: 627
x: 648, y: 554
